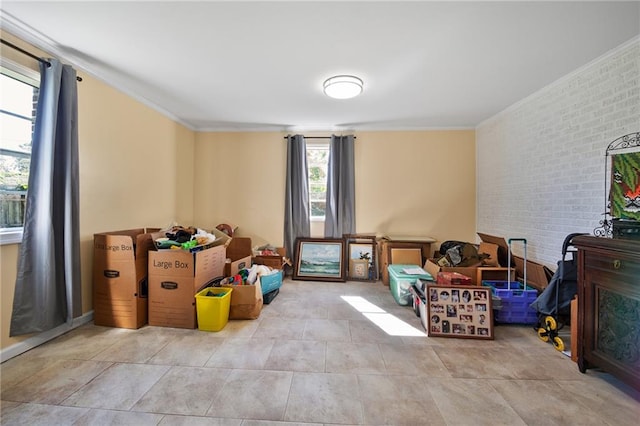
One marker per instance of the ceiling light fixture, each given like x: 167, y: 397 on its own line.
x: 343, y: 86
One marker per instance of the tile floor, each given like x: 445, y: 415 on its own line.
x: 311, y: 358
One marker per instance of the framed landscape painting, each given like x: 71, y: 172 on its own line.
x: 319, y: 259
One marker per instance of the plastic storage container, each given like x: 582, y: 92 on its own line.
x: 400, y: 282
x: 515, y: 299
x: 271, y: 282
x: 212, y: 308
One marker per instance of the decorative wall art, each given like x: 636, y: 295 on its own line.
x: 625, y: 186
x: 621, y: 216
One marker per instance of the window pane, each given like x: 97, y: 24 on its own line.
x: 17, y: 110
x: 318, y: 208
x: 317, y: 158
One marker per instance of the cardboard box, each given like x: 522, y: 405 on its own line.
x: 175, y: 276
x: 452, y: 278
x: 246, y: 301
x: 238, y: 255
x: 120, y: 287
x: 503, y: 247
x: 273, y: 261
x: 476, y: 273
x: 433, y: 268
x: 538, y: 276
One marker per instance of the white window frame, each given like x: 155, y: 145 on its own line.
x: 324, y: 145
x: 31, y: 77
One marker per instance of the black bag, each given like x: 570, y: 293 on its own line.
x: 556, y: 298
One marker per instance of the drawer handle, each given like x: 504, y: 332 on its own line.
x: 617, y: 264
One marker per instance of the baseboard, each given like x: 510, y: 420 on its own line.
x: 39, y: 339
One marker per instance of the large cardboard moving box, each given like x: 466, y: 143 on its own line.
x: 175, y: 276
x: 120, y: 287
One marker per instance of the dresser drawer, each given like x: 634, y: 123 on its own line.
x: 619, y: 265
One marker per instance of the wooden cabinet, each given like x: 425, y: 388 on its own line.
x: 609, y: 306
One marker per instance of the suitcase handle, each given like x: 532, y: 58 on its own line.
x: 524, y: 243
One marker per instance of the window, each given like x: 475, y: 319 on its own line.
x: 317, y: 162
x: 19, y: 90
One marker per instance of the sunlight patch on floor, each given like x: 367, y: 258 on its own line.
x: 389, y: 323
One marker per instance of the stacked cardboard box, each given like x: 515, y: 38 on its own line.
x: 480, y: 272
x: 175, y: 276
x: 120, y: 287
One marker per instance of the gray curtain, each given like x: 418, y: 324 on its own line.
x: 296, y: 209
x: 47, y: 291
x: 340, y: 216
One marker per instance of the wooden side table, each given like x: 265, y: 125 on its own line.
x: 387, y: 244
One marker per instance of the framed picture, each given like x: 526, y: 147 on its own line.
x: 625, y: 186
x: 361, y: 260
x: 320, y: 259
x: 459, y: 311
x: 359, y: 269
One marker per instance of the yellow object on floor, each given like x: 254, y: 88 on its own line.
x: 212, y: 307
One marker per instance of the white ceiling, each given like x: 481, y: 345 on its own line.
x: 260, y: 65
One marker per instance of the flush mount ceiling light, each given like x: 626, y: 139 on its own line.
x: 343, y: 86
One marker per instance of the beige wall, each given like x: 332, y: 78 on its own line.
x: 418, y: 183
x: 135, y: 171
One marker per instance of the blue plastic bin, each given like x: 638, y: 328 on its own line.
x: 515, y: 299
x: 271, y: 282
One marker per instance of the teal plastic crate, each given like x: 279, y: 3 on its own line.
x: 271, y: 282
x: 515, y: 300
x: 400, y: 282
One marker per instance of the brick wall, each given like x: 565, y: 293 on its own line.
x: 541, y: 162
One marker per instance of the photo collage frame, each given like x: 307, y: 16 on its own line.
x: 459, y: 311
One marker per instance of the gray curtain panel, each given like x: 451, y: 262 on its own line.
x: 48, y: 286
x: 340, y: 216
x: 296, y: 209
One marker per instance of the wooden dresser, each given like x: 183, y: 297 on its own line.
x: 609, y: 306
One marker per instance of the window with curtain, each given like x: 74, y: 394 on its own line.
x: 20, y: 89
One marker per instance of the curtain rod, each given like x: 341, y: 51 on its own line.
x: 317, y: 137
x: 31, y: 55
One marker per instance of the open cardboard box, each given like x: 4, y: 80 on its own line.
x: 538, y: 275
x: 238, y: 255
x: 175, y: 276
x: 479, y: 273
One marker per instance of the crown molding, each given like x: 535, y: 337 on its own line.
x: 40, y: 41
